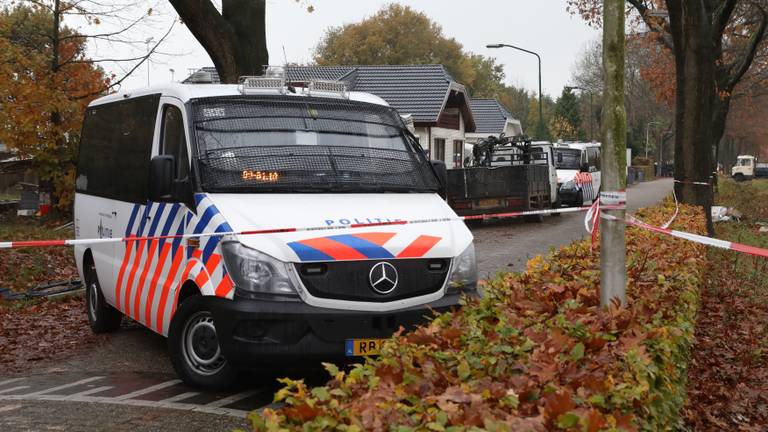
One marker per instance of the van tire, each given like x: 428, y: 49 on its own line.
x: 102, y: 317
x: 580, y: 199
x: 739, y: 177
x: 557, y: 205
x: 194, y: 349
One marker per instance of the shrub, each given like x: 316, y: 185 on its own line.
x: 536, y: 353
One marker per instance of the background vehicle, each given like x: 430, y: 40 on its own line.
x: 506, y: 175
x: 578, y: 172
x: 747, y: 168
x: 193, y: 159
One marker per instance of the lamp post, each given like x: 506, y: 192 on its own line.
x: 540, y: 131
x: 591, y: 135
x: 147, y: 42
x: 647, y: 130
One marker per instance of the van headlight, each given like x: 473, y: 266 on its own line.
x: 257, y: 273
x: 569, y: 185
x: 464, y: 272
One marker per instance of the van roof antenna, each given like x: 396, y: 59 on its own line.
x: 291, y: 88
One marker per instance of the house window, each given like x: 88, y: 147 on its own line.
x: 458, y: 153
x: 440, y: 149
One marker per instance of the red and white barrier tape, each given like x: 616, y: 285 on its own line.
x: 76, y: 242
x: 693, y: 182
x: 696, y: 238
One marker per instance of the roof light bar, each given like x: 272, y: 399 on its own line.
x: 328, y: 87
x: 262, y: 84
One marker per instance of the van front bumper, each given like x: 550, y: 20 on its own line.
x: 254, y: 332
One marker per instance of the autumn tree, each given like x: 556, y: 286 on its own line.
x: 41, y: 110
x: 713, y: 44
x: 644, y: 105
x: 548, y: 108
x: 398, y: 34
x: 567, y: 116
x: 518, y: 102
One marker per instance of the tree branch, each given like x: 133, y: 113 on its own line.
x: 212, y: 30
x: 123, y: 30
x: 721, y: 15
x: 133, y: 69
x: 740, y: 68
x: 661, y: 30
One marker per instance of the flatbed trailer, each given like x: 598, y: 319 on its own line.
x: 519, y: 186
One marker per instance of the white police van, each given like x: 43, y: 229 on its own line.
x: 578, y: 172
x: 265, y: 154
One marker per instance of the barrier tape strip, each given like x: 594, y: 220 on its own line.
x: 693, y: 182
x: 696, y: 238
x: 93, y: 241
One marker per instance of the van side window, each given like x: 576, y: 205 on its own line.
x: 593, y: 156
x: 174, y: 141
x: 115, y: 146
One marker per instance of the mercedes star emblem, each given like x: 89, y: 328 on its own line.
x: 383, y: 278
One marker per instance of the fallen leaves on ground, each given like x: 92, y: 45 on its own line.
x: 42, y: 331
x: 728, y: 379
x: 25, y: 268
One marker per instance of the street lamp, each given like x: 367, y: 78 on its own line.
x: 540, y: 131
x: 647, y: 130
x: 591, y: 134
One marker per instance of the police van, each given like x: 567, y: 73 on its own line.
x: 183, y: 170
x: 578, y: 172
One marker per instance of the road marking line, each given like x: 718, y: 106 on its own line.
x: 12, y: 389
x: 61, y: 387
x: 180, y: 397
x: 149, y: 389
x: 90, y: 391
x: 8, y: 381
x: 132, y: 402
x: 231, y: 399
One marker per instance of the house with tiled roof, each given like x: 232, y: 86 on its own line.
x: 438, y: 105
x: 492, y: 118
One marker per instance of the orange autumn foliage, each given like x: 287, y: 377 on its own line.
x: 42, y: 110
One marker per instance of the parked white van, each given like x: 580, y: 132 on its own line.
x: 578, y: 172
x: 201, y: 159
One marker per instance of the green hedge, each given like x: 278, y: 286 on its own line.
x: 536, y: 353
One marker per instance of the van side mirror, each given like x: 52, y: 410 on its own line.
x: 161, y: 175
x: 442, y: 176
x: 584, y: 167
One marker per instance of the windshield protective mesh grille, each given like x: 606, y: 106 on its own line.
x: 253, y: 144
x: 307, y: 168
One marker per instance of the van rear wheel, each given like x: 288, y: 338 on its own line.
x: 194, y: 347
x: 102, y: 317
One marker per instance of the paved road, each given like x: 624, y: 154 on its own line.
x: 127, y: 383
x: 506, y: 245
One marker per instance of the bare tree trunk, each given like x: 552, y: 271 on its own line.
x: 695, y: 95
x: 613, y: 270
x: 235, y: 38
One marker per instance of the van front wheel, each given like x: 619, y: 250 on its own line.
x: 194, y: 348
x: 102, y: 317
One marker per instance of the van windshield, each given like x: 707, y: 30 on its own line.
x: 295, y: 144
x: 568, y: 159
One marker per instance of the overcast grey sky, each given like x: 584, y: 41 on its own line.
x: 543, y: 26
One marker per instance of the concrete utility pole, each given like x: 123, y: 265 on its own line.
x: 613, y: 269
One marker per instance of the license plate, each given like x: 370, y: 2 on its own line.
x: 363, y: 347
x: 488, y: 203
